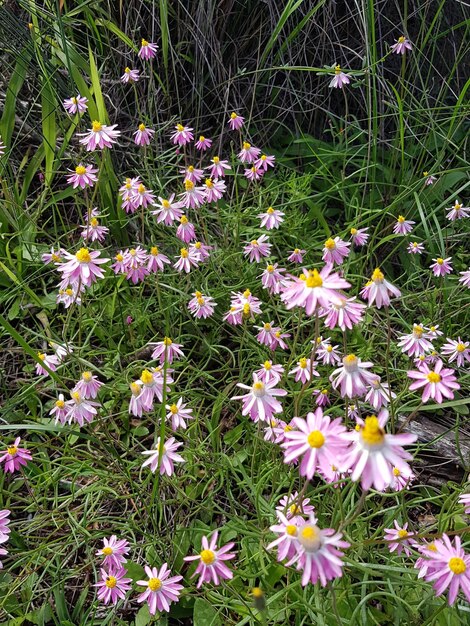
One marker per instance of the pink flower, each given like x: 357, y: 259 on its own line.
x: 253, y: 173
x: 134, y: 264
x: 374, y: 453
x: 113, y: 586
x: 273, y: 218
x: 59, y: 410
x: 401, y: 45
x: 430, y: 179
x: 260, y: 402
x: 137, y: 402
x: 169, y: 457
x: 266, y: 334
x: 114, y: 551
x: 264, y: 162
x: 379, y: 394
x: 148, y: 50
x: 278, y: 339
x: 127, y: 192
x: 50, y: 360
x: 465, y: 500
x: 257, y: 248
x: 70, y: 296
x: 248, y: 153
x: 313, y: 290
x: 83, y: 176
x: 465, y: 280
x: 402, y: 226
x: 52, y: 256
x: 143, y: 135
x: 88, y: 385
x: 187, y: 260
x: 243, y: 306
x: 156, y: 260
x: 218, y: 167
x: 270, y: 372
x: 193, y: 196
x: 335, y: 251
x: 317, y: 442
x: 99, y: 136
x: 328, y: 354
x: 346, y: 314
x: 296, y: 256
x: 192, y: 173
x: 415, y: 248
x: 93, y: 231
x: 288, y: 530
x: 202, y: 249
x: 359, y: 236
x: 79, y: 409
x: 235, y: 121
x: 322, y: 397
x: 416, y: 342
x: 142, y: 197
x: 399, y: 539
x: 441, y: 266
x: 379, y: 290
x: 76, y: 104
x: 272, y: 278
x: 340, y: 79
x: 203, y: 143
x: 182, y: 135
x: 449, y: 567
x: 178, y: 413
x: 15, y: 457
x: 401, y: 480
x: 168, y: 211
x: 130, y: 76
x: 352, y: 377
x: 152, y: 385
x: 4, y: 521
x: 437, y: 383
x: 215, y: 189
x: 304, y: 371
x: 457, y: 212
x: 185, y: 230
x: 211, y: 566
x: 201, y: 306
x: 161, y: 590
x: 457, y: 350
x: 291, y: 507
x: 167, y: 350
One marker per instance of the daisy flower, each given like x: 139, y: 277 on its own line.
x: 99, y: 136
x: 113, y: 551
x: 130, y: 76
x: 457, y: 350
x: 15, y: 457
x: 441, y: 266
x: 202, y: 249
x: 260, y: 402
x: 79, y: 409
x: 211, y: 565
x: 182, y: 135
x: 379, y: 393
x: 322, y: 397
x: 339, y: 79
x: 296, y: 256
x: 335, y: 251
x: 304, y: 370
x: 273, y: 218
x: 53, y: 256
x: 113, y: 585
x: 457, y: 212
x: 291, y: 507
x: 93, y: 231
x: 465, y: 500
x: 465, y: 280
x: 148, y: 50
x: 415, y: 248
x: 403, y: 226
x: 265, y: 161
x: 76, y: 104
x: 143, y: 135
x: 272, y: 278
x: 201, y: 306
x: 437, y: 383
x: 4, y: 521
x: 50, y: 360
x: 88, y: 385
x: 168, y: 459
x: 214, y: 189
x: 235, y: 121
x: 253, y: 173
x: 401, y: 45
x: 399, y: 539
x: 187, y: 260
x: 218, y: 167
x: 270, y: 372
x: 379, y: 290
x: 192, y: 173
x: 352, y: 377
x: 346, y: 314
x: 168, y: 350
x: 82, y: 266
x: 374, y: 453
x: 257, y: 248
x: 83, y: 176
x: 178, y: 413
x: 161, y: 589
x: 185, y: 231
x: 168, y: 211
x: 314, y: 290
x: 430, y: 179
x: 359, y: 236
x: 401, y: 480
x: 193, y: 196
x: 59, y: 410
x: 416, y: 342
x: 203, y: 143
x: 156, y: 260
x: 248, y: 153
x: 287, y: 531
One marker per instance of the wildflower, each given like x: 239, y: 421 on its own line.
x: 465, y: 280
x: 202, y: 249
x: 374, y: 453
x: 15, y: 457
x: 178, y: 413
x: 114, y: 551
x: 82, y: 266
x: 4, y: 521
x: 128, y: 193
x: 130, y: 76
x: 169, y: 457
x: 264, y: 161
x: 291, y: 506
x: 313, y: 290
x: 317, y: 553
x: 80, y: 409
x: 329, y: 354
x: 235, y: 121
x: 193, y: 196
x: 148, y: 50
x: 403, y: 226
x: 134, y: 264
x: 346, y: 314
x: 83, y: 176
x: 257, y: 248
x: 378, y: 290
x: 2, y: 147
x: 449, y: 568
x: 50, y: 360
x: 296, y: 256
x: 399, y: 539
x: 182, y: 135
x: 359, y: 236
x: 379, y: 393
x: 138, y: 402
x: 70, y: 296
x: 272, y: 218
x: 156, y: 260
x: 272, y: 278
x: 457, y: 350
x: 192, y: 173
x: 317, y: 441
x: 437, y: 383
x: 113, y: 585
x: 88, y: 385
x: 401, y: 480
x: 142, y: 197
x: 168, y: 211
x: 278, y: 340
x: 260, y: 402
x: 339, y: 79
x: 3, y: 552
x: 203, y: 143
x: 76, y: 104
x: 243, y: 306
x: 353, y: 412
x: 415, y: 248
x: 201, y: 306
x: 304, y: 370
x: 270, y: 372
x: 441, y: 266
x: 433, y: 332
x: 248, y: 153
x: 214, y: 189
x: 167, y: 350
x: 99, y: 136
x: 465, y: 500
x: 218, y: 167
x: 335, y: 251
x: 457, y: 212
x: 211, y: 566
x: 188, y: 259
x: 93, y: 231
x: 53, y: 256
x: 401, y: 45
x: 59, y: 410
x: 161, y: 590
x: 430, y: 179
x: 416, y: 342
x: 322, y: 397
x: 143, y: 135
x: 185, y: 230
x: 253, y: 173
x: 352, y: 377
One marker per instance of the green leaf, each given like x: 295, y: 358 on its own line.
x: 204, y: 614
x: 48, y: 102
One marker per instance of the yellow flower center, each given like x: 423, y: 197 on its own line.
x: 60, y: 404
x: 144, y: 43
x: 174, y: 409
x: 135, y: 389
x: 167, y: 341
x: 287, y: 428
x: 119, y: 257
x: 246, y: 293
x: 197, y: 294
x: 246, y: 308
x: 460, y: 347
x: 270, y: 210
x: 154, y: 251
x: 83, y: 256
x: 184, y: 253
x: 132, y: 251
x: 457, y: 565
x: 257, y: 592
x: 209, y: 183
x: 154, y: 584
x: 338, y: 69
x: 291, y: 530
x: 233, y: 116
x: 146, y: 377
x: 329, y: 348
x: 94, y: 222
x: 418, y: 331
x: 42, y: 356
x: 165, y: 204
x: 179, y: 128
x: 432, y: 547
x: 76, y: 396
x: 69, y: 292
x: 246, y: 145
x: 258, y: 389
x: 197, y: 245
x: 200, y: 301
x: 402, y: 533
x: 270, y: 269
x: 313, y: 279
x: 111, y: 582
x: 263, y: 157
x: 457, y: 206
x: 207, y: 557
x: 254, y: 242
x: 439, y: 261
x: 189, y: 185
x: 303, y: 363
x: 325, y: 392
x: 353, y: 231
x: 433, y: 377
x: 55, y: 257
x: 202, y: 138
x: 309, y: 537
x: 87, y: 376
x: 141, y: 188
x: 183, y: 219
x: 74, y: 100
x: 350, y: 359
x: 141, y: 127
x: 12, y: 450
x: 330, y: 244
x: 127, y: 70
x: 396, y: 471
x: 372, y: 434
x: 107, y: 551
x: 294, y: 509
x: 316, y: 439
x: 267, y: 365
x: 401, y: 39
x: 216, y: 160
x: 377, y: 275
x: 425, y: 173
x: 96, y: 126
x: 80, y: 170
x: 400, y: 219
